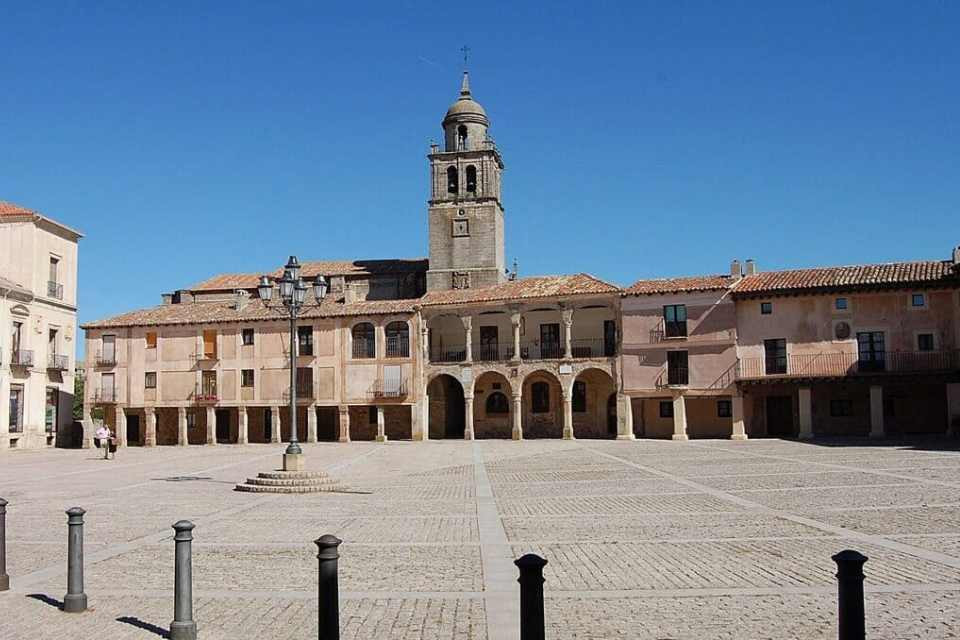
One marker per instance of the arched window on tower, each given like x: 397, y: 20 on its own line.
x: 453, y: 181
x: 471, y: 179
x: 461, y: 138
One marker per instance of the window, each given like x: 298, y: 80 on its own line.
x: 210, y: 344
x: 52, y: 342
x: 398, y: 339
x: 51, y: 416
x: 677, y: 370
x: 471, y: 179
x: 247, y: 336
x: 497, y: 403
x: 461, y: 138
x: 372, y: 415
x: 775, y: 352
x: 666, y: 409
x: 246, y: 377
x: 54, y: 269
x: 918, y: 300
x: 304, y: 382
x: 489, y: 344
x: 151, y: 339
x: 305, y: 341
x: 16, y: 408
x: 675, y: 320
x: 54, y: 288
x: 364, y: 341
x: 16, y: 336
x: 150, y: 380
x: 724, y: 409
x: 924, y: 342
x: 766, y: 308
x: 840, y: 304
x: 453, y: 181
x: 841, y: 408
x: 550, y: 345
x: 871, y: 353
x: 108, y: 349
x: 579, y: 396
x: 541, y: 397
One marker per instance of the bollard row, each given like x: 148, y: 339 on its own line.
x: 850, y: 579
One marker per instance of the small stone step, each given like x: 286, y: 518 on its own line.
x: 317, y: 488
x: 290, y: 475
x: 290, y: 482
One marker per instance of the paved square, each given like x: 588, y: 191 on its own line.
x: 649, y: 539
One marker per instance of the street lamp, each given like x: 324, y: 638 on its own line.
x: 293, y: 294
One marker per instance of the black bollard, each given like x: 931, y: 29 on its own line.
x: 531, y: 596
x: 328, y: 593
x: 850, y: 592
x: 76, y: 600
x: 183, y: 626
x: 4, y: 578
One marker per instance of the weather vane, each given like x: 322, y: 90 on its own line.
x: 466, y: 54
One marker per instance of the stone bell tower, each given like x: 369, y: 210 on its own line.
x: 465, y: 210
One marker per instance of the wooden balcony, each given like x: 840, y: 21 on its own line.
x: 843, y: 365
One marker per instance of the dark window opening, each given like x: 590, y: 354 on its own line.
x: 925, y: 342
x: 305, y: 341
x: 453, y: 180
x: 841, y: 408
x: 841, y: 304
x: 675, y: 320
x: 766, y: 308
x: 579, y: 396
x: 461, y: 138
x: 871, y: 353
x: 398, y: 340
x: 471, y: 179
x: 246, y: 377
x: 364, y: 341
x: 247, y: 335
x: 724, y: 409
x: 372, y: 415
x: 666, y: 409
x: 677, y: 369
x: 540, y: 391
x: 775, y: 351
x: 150, y: 380
x: 497, y: 403
x: 917, y: 300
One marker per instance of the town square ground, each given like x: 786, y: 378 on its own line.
x: 647, y: 539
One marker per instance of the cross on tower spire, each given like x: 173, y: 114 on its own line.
x: 466, y: 54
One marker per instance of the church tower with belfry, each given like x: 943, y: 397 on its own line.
x: 465, y: 210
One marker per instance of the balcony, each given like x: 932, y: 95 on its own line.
x: 364, y: 349
x: 21, y: 358
x: 205, y: 356
x: 206, y: 393
x: 398, y: 347
x: 452, y: 353
x: 54, y: 290
x: 304, y: 393
x: 57, y: 362
x: 389, y: 389
x: 105, y: 396
x: 534, y: 350
x: 106, y: 360
x: 842, y: 365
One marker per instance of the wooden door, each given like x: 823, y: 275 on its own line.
x: 780, y: 416
x: 133, y: 428
x: 210, y: 343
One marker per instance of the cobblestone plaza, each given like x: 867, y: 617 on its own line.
x: 645, y: 539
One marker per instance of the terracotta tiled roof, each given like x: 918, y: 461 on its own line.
x: 223, y: 311
x: 680, y: 285
x: 228, y: 281
x: 524, y: 288
x: 10, y: 209
x: 867, y: 276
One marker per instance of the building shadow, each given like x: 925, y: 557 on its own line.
x: 45, y: 599
x: 146, y: 626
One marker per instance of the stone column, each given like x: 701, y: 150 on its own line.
x: 624, y: 417
x: 567, y: 317
x: 183, y: 439
x: 739, y: 426
x: 468, y: 336
x: 515, y: 323
x: 87, y: 421
x: 419, y: 419
x: 150, y: 434
x: 344, y: 425
x: 275, y: 424
x: 468, y: 417
x: 312, y: 423
x: 806, y: 413
x: 517, y: 416
x: 679, y: 417
x: 120, y: 422
x: 876, y: 412
x: 381, y: 425
x: 425, y: 341
x: 243, y: 425
x: 568, y: 416
x: 211, y: 426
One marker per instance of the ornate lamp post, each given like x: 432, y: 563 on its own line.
x: 293, y: 293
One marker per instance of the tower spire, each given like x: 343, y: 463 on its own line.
x: 465, y: 85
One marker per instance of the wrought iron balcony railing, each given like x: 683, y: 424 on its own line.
x: 105, y: 396
x: 452, y: 353
x: 54, y: 290
x: 844, y: 364
x: 206, y: 393
x: 398, y: 347
x: 57, y: 362
x: 389, y: 389
x: 106, y: 360
x: 21, y: 358
x: 365, y: 348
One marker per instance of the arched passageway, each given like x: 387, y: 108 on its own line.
x: 492, y: 406
x: 542, y: 406
x: 594, y: 400
x: 447, y: 408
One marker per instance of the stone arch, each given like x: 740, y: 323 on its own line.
x: 490, y: 390
x: 453, y: 180
x: 542, y: 420
x: 590, y: 392
x: 446, y: 339
x: 447, y: 407
x: 471, y: 179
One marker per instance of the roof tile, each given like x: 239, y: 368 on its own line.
x: 524, y: 288
x: 684, y: 284
x: 867, y: 276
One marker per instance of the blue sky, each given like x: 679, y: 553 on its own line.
x: 641, y: 139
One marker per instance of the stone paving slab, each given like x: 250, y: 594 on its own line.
x: 837, y: 498
x: 896, y: 520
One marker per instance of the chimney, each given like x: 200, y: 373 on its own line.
x: 241, y: 298
x: 956, y: 258
x: 349, y: 295
x: 751, y: 269
x: 183, y: 296
x: 166, y: 298
x: 735, y: 271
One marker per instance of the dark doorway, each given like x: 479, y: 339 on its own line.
x: 489, y: 343
x: 328, y: 424
x: 612, y: 414
x: 447, y: 407
x: 780, y: 416
x: 609, y: 338
x: 456, y: 416
x: 133, y: 428
x: 550, y: 341
x: 223, y: 425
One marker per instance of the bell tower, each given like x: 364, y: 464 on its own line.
x: 465, y: 211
